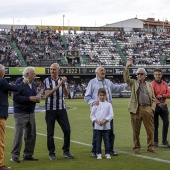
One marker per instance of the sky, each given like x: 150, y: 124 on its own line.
x: 88, y: 13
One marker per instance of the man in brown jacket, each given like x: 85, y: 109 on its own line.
x: 141, y: 107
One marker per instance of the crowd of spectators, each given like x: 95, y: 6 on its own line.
x: 98, y: 47
x: 146, y: 49
x: 8, y: 56
x: 38, y: 46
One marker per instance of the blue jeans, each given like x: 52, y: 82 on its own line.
x: 164, y: 114
x: 111, y: 139
x: 99, y: 135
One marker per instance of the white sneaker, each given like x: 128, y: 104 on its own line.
x: 108, y: 156
x: 99, y: 156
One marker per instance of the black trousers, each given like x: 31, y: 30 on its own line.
x: 62, y: 119
x: 164, y: 114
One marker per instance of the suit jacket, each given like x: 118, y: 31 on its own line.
x: 22, y: 103
x: 134, y: 85
x: 4, y: 88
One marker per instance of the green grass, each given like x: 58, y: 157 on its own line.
x: 81, y: 131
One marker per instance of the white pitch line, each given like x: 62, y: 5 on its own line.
x: 123, y: 152
x: 72, y: 108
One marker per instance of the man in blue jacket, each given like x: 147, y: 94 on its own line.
x: 91, y: 98
x: 24, y: 106
x: 4, y: 88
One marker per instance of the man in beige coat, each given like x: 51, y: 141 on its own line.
x: 141, y: 107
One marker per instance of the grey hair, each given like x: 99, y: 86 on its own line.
x: 141, y: 70
x: 97, y: 69
x: 27, y: 70
x: 1, y: 67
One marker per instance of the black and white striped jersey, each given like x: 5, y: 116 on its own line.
x: 56, y: 101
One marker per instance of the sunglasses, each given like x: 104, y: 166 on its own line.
x: 140, y: 74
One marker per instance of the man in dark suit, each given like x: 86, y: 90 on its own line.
x: 24, y: 116
x: 4, y: 88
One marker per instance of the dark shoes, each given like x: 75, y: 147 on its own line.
x: 93, y: 154
x: 166, y: 144
x: 155, y: 145
x: 15, y: 160
x: 52, y: 157
x: 30, y: 159
x: 113, y: 153
x: 68, y: 155
x: 4, y: 167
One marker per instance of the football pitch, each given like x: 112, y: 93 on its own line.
x: 81, y: 136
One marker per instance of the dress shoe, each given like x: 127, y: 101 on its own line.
x: 113, y: 153
x: 151, y: 151
x: 4, y: 167
x: 30, y: 159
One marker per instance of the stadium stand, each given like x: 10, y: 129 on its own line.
x: 42, y: 48
x: 8, y: 54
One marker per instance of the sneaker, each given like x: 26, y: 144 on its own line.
x: 15, y: 160
x: 166, y: 144
x: 108, y: 156
x: 93, y: 155
x: 68, y: 155
x: 52, y: 157
x: 4, y: 167
x: 99, y: 156
x: 155, y: 145
x: 113, y: 153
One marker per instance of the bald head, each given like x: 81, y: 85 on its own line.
x: 54, y: 70
x: 2, y: 71
x: 56, y: 65
x: 1, y: 67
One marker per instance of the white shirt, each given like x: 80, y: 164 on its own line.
x: 103, y: 111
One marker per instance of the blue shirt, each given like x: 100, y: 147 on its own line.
x: 95, y: 84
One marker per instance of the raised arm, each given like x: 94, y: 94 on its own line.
x: 126, y: 72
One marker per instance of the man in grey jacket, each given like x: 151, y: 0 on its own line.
x: 91, y: 98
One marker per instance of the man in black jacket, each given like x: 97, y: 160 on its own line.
x: 4, y: 88
x: 24, y: 106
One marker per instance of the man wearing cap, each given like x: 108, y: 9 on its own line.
x: 141, y: 107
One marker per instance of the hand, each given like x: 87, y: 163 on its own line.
x: 161, y: 105
x: 26, y: 81
x: 98, y: 122
x: 35, y: 99
x: 103, y: 122
x: 96, y: 103
x: 38, y: 100
x: 64, y: 79
x: 129, y: 62
x: 159, y: 96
